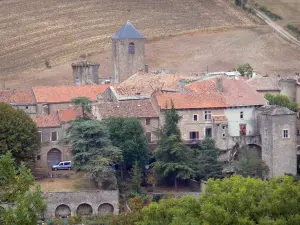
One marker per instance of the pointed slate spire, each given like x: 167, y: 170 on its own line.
x: 128, y: 31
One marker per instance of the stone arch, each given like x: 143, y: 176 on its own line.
x: 54, y: 156
x: 62, y: 211
x: 256, y: 148
x: 131, y: 48
x: 105, y: 209
x: 84, y: 210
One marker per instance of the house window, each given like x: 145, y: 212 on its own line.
x: 26, y: 107
x: 38, y: 157
x: 194, y: 135
x: 148, y: 136
x: 224, y: 127
x: 148, y: 121
x: 208, y: 132
x: 131, y: 48
x: 241, y: 115
x: 224, y: 135
x: 285, y: 133
x: 207, y: 115
x: 195, y: 117
x: 298, y: 132
x: 243, y: 130
x: 54, y: 136
x: 40, y: 136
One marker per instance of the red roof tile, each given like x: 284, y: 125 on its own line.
x: 57, y: 94
x: 51, y: 120
x: 17, y: 96
x: 204, y: 94
x: 68, y: 114
x: 147, y: 83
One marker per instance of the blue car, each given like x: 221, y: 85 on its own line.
x: 64, y: 165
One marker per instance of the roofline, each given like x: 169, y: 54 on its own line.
x: 61, y: 102
x: 229, y: 107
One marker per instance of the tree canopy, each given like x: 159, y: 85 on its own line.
x: 92, y: 150
x: 231, y: 201
x: 173, y: 158
x: 84, y: 104
x: 249, y: 163
x: 282, y: 100
x: 18, y: 134
x: 128, y: 135
x: 16, y: 187
x: 245, y: 69
x: 207, y: 164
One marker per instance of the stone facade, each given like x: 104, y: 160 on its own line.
x: 85, y: 72
x: 126, y: 64
x: 277, y: 128
x: 64, y: 204
x: 51, y: 152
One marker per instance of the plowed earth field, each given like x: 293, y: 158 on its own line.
x: 32, y: 31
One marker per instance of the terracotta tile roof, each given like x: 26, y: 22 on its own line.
x: 57, y: 94
x: 220, y: 118
x: 129, y: 108
x: 69, y: 114
x: 51, y: 120
x: 235, y: 92
x: 189, y: 101
x: 17, y: 96
x: 147, y: 83
x: 265, y: 83
x: 204, y: 94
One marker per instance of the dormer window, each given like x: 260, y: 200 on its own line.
x: 131, y: 48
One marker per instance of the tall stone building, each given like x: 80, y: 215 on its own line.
x: 277, y: 129
x: 85, y: 72
x: 128, y: 47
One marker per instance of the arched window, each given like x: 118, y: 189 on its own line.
x: 131, y: 48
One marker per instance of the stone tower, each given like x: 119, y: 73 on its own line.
x: 277, y: 127
x: 128, y: 47
x: 85, y: 72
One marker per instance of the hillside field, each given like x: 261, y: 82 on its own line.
x: 32, y: 31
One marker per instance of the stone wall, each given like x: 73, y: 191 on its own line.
x: 125, y: 64
x: 63, y: 204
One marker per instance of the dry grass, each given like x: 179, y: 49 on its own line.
x: 288, y: 9
x: 32, y: 31
x: 76, y: 182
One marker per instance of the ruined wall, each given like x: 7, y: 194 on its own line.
x: 125, y: 64
x: 61, y: 204
x: 288, y: 87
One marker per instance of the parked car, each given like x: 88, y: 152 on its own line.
x: 64, y: 165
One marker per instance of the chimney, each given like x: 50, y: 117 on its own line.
x: 146, y: 68
x: 220, y: 84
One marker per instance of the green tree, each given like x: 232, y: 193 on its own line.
x: 238, y: 200
x: 249, y: 163
x: 128, y: 135
x: 84, y: 104
x: 245, y: 69
x: 18, y: 134
x: 136, y: 178
x: 92, y: 149
x: 173, y: 158
x: 207, y: 164
x: 282, y: 100
x: 16, y: 187
x: 182, y: 211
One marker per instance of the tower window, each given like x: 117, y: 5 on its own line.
x: 285, y: 133
x: 241, y: 115
x: 131, y: 48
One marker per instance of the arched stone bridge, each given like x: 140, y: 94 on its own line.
x: 64, y: 204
